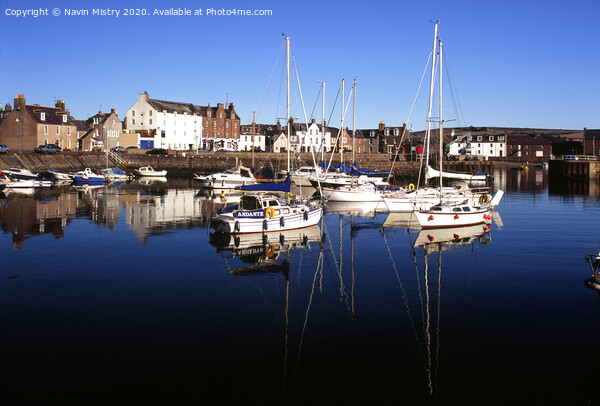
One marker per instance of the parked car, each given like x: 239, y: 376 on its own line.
x: 119, y: 149
x: 4, y: 149
x: 47, y: 149
x: 157, y: 151
x: 132, y: 147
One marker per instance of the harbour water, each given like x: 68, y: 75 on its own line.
x: 121, y: 295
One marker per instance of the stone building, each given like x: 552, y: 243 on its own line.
x: 104, y: 132
x: 25, y: 126
x: 591, y: 142
x: 528, y: 146
x: 220, y: 127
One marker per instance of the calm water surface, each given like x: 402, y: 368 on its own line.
x: 121, y: 295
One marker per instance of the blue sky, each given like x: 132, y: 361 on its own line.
x: 511, y: 63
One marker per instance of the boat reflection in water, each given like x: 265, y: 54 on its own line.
x: 267, y: 252
x: 455, y: 240
x: 359, y: 209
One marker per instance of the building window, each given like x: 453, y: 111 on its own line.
x: 501, y: 138
x: 57, y: 130
x: 150, y: 121
x: 132, y: 121
x: 479, y: 138
x: 227, y: 124
x: 150, y: 113
x: 221, y: 115
x: 68, y: 130
x: 45, y: 129
x: 395, y: 131
x: 214, y: 124
x: 43, y: 116
x: 132, y: 113
x: 64, y: 118
x: 491, y: 138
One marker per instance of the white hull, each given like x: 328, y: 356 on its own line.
x: 432, y: 219
x: 424, y: 199
x: 153, y: 174
x: 352, y: 194
x: 231, y: 225
x: 60, y: 175
x: 222, y: 184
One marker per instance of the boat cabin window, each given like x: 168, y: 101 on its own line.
x: 245, y: 173
x: 250, y: 203
x: 273, y: 203
x: 457, y: 209
x: 466, y: 208
x: 436, y: 208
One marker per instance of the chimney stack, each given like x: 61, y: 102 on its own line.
x: 60, y: 104
x: 19, y: 101
x: 381, y: 125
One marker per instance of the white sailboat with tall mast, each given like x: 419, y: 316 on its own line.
x: 450, y: 212
x: 346, y: 188
x: 423, y: 198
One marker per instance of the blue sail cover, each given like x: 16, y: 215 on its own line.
x: 284, y: 186
x: 356, y: 171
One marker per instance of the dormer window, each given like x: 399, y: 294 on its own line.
x: 64, y: 118
x: 43, y: 116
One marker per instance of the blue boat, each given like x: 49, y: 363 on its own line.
x: 88, y: 176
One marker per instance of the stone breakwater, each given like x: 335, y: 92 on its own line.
x: 186, y: 163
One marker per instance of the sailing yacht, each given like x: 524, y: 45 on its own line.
x: 450, y: 211
x: 426, y: 197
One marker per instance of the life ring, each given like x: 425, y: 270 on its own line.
x: 269, y: 212
x: 265, y: 226
x: 282, y: 222
x: 484, y: 199
x: 411, y: 187
x: 305, y: 216
x: 236, y: 227
x: 270, y: 250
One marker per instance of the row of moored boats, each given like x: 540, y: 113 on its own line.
x: 19, y: 178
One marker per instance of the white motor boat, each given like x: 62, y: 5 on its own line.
x: 21, y: 174
x: 259, y: 213
x: 60, y: 175
x: 88, y: 176
x: 228, y: 179
x: 149, y: 171
x: 16, y: 183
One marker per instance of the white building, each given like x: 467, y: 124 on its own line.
x: 164, y: 124
x: 484, y: 145
x: 311, y: 139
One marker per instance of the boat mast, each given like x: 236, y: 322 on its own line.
x: 323, y: 123
x: 342, y: 128
x: 441, y: 121
x: 431, y: 89
x: 289, y: 132
x: 253, y: 124
x: 353, y: 119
